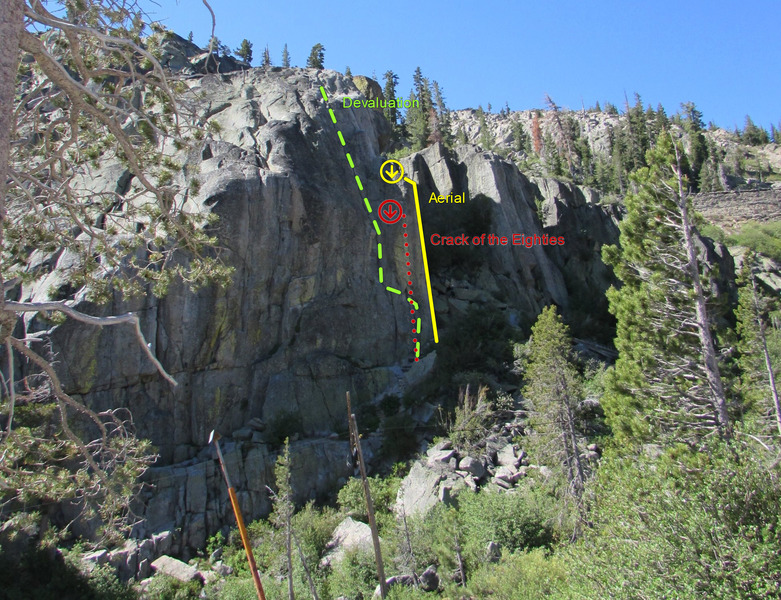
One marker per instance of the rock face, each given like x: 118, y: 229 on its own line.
x: 306, y: 318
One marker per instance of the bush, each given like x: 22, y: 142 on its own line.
x: 43, y: 575
x: 764, y: 238
x: 351, y: 500
x: 164, y: 587
x: 687, y: 525
x: 521, y: 576
x: 354, y: 576
x: 515, y: 521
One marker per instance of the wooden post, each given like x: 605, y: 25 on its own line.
x: 356, y: 443
x: 215, y: 438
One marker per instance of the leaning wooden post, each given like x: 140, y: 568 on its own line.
x: 215, y: 438
x: 355, y: 443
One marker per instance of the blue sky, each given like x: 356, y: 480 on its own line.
x: 723, y: 55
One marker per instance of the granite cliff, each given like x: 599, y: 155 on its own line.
x: 306, y: 318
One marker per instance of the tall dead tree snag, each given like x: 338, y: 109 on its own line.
x: 355, y: 447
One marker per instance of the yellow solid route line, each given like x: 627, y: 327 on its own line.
x: 425, y: 259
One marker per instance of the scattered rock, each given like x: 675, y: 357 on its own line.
x: 222, y: 569
x: 429, y: 579
x: 493, y: 552
x: 175, y: 568
x: 256, y: 424
x: 472, y: 465
x: 243, y: 434
x: 216, y: 555
x: 506, y: 485
x: 505, y: 457
x: 207, y: 576
x: 440, y: 456
x: 508, y: 474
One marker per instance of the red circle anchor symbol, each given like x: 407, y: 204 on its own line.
x: 390, y: 212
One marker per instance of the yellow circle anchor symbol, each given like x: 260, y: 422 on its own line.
x: 391, y: 174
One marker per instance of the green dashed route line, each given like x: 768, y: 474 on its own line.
x: 369, y: 209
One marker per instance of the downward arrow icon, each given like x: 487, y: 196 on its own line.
x: 392, y: 172
x: 389, y: 213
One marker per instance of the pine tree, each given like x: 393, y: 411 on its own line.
x: 554, y: 388
x: 190, y: 37
x: 598, y: 108
x: 284, y: 508
x: 753, y: 135
x: 316, y: 57
x: 521, y: 142
x: 759, y: 346
x: 698, y: 149
x: 666, y: 381
x: 244, y: 51
x: 389, y: 91
x: 347, y: 71
x: 419, y: 118
x: 417, y: 121
x: 266, y: 57
x: 487, y: 140
x: 285, y: 57
x: 461, y: 136
x: 444, y: 132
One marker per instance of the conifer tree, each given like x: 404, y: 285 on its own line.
x: 316, y: 57
x: 666, y: 382
x: 244, y: 51
x: 757, y: 341
x: 461, y: 136
x: 698, y: 149
x: 347, y: 71
x: 419, y: 118
x: 444, y: 132
x: 554, y: 388
x: 487, y: 140
x: 284, y: 509
x: 521, y: 142
x: 285, y: 57
x: 389, y: 91
x: 266, y: 57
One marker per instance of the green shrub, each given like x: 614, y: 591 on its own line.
x: 351, y: 500
x: 521, y: 576
x: 515, y: 521
x: 687, y: 525
x: 163, y: 587
x: 314, y: 527
x: 354, y: 576
x: 764, y: 238
x: 238, y: 589
x: 43, y: 575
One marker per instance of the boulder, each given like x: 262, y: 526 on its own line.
x: 505, y: 457
x: 222, y: 569
x: 429, y: 579
x: 418, y: 491
x: 348, y: 535
x: 472, y: 465
x: 175, y: 568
